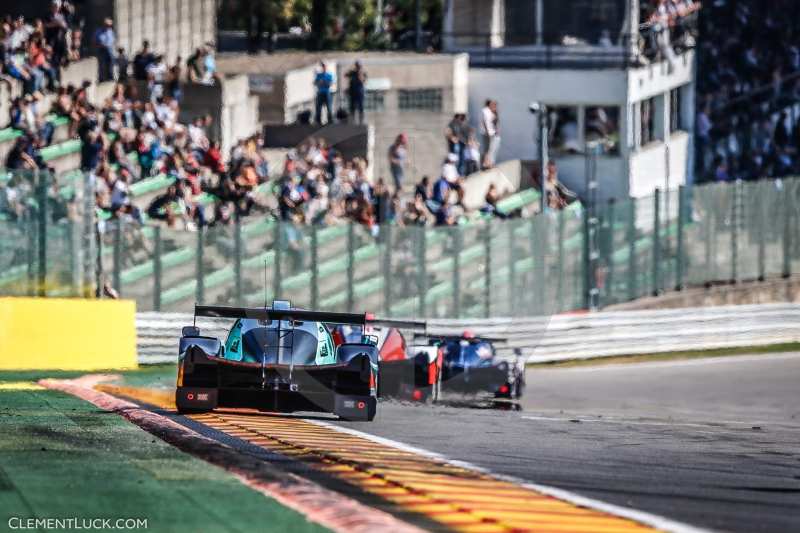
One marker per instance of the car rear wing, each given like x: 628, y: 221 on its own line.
x: 270, y: 314
x: 442, y: 338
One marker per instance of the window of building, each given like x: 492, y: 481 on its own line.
x: 419, y: 99
x: 601, y: 127
x: 374, y: 101
x: 647, y: 123
x: 564, y: 133
x: 583, y: 21
x: 520, y: 22
x: 675, y: 119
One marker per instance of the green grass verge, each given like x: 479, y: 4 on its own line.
x: 672, y: 356
x: 62, y: 457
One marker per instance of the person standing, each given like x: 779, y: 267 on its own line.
x: 104, y: 39
x: 490, y: 129
x: 356, y: 91
x: 323, y: 81
x: 398, y: 152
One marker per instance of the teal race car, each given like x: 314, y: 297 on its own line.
x: 278, y: 359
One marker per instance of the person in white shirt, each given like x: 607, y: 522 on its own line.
x: 490, y: 130
x: 449, y: 169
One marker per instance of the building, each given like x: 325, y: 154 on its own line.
x: 406, y: 92
x: 173, y: 27
x: 623, y: 96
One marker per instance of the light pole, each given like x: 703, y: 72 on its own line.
x: 540, y: 111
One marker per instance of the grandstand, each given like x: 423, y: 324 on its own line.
x: 166, y: 216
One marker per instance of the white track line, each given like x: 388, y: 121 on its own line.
x: 656, y: 521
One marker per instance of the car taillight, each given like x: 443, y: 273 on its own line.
x: 432, y: 373
x: 503, y: 389
x: 416, y: 395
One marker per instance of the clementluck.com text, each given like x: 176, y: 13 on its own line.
x: 20, y: 523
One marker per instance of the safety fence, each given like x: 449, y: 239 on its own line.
x: 578, y: 258
x: 556, y: 338
x: 47, y: 234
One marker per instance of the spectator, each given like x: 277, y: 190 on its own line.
x: 105, y: 40
x: 122, y: 65
x: 457, y: 136
x: 490, y: 129
x: 323, y: 81
x: 356, y: 91
x: 142, y: 61
x: 194, y: 66
x: 398, y: 152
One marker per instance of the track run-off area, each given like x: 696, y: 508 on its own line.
x: 702, y: 444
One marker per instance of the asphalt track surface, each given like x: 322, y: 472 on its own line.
x: 713, y: 443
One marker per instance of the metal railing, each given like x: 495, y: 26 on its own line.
x: 558, y: 261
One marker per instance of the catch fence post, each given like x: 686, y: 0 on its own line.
x: 487, y: 282
x: 631, y: 238
x: 735, y: 214
x: 41, y: 190
x: 787, y: 235
x: 386, y: 230
x: 422, y: 274
x: 680, y: 245
x: 157, y: 268
x: 237, y: 259
x: 199, y: 267
x: 314, y: 268
x: 657, y: 242
x: 277, y: 246
x: 560, y: 281
x: 457, y: 243
x: 117, y: 272
x: 608, y: 285
x: 350, y: 266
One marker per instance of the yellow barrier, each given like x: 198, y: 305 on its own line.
x: 69, y: 334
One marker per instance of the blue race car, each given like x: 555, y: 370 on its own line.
x: 278, y: 359
x: 471, y: 366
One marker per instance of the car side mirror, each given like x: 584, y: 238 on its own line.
x: 190, y: 331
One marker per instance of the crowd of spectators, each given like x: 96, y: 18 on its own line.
x: 668, y: 26
x: 748, y: 84
x: 33, y: 52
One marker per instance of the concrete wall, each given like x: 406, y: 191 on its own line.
x: 234, y: 110
x: 174, y: 27
x: 350, y: 139
x: 506, y: 176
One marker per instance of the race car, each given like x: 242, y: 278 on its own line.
x: 278, y: 359
x: 471, y: 366
x: 411, y: 372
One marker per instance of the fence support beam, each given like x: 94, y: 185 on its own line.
x: 314, y: 267
x: 680, y: 245
x: 277, y: 244
x: 422, y: 273
x: 657, y: 242
x: 386, y: 231
x: 237, y: 262
x: 351, y: 242
x: 633, y: 290
x: 41, y: 193
x: 787, y: 235
x: 157, y: 268
x: 487, y: 270
x: 457, y: 244
x: 199, y: 267
x: 117, y: 271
